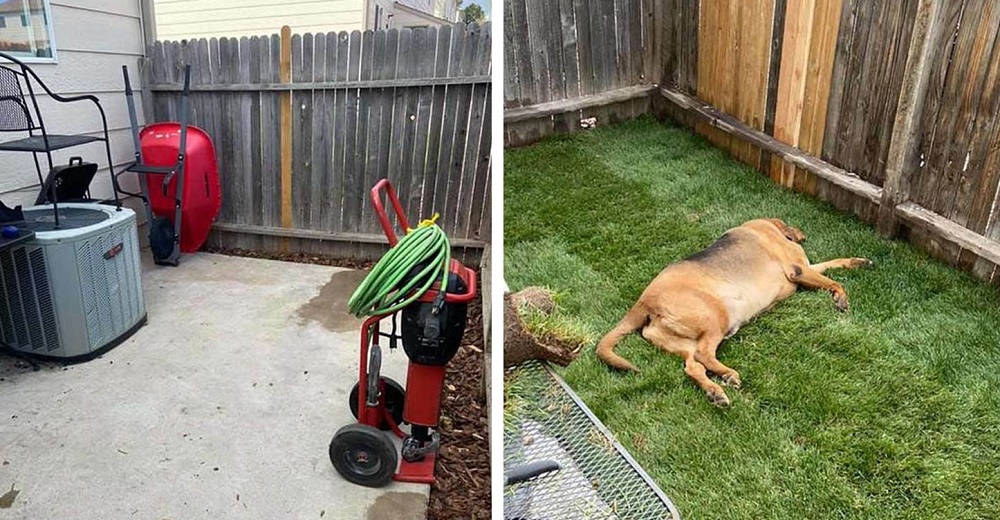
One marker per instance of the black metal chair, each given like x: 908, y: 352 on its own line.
x: 17, y: 90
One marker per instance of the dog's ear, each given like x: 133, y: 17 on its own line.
x: 791, y: 233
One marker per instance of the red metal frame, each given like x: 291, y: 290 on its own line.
x: 467, y: 275
x: 383, y: 217
x: 426, y: 381
x: 420, y: 471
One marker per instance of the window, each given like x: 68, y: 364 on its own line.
x: 31, y: 39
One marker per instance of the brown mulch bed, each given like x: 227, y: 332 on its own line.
x: 299, y: 258
x: 462, y: 489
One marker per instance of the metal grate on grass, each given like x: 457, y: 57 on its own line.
x: 545, y: 420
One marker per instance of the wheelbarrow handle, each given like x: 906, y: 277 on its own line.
x: 397, y: 208
x: 529, y: 471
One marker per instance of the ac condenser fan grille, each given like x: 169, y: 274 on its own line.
x: 43, y: 219
x: 29, y: 320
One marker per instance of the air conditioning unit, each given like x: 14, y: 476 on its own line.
x: 72, y: 292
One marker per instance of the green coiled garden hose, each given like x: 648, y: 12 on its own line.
x: 381, y: 291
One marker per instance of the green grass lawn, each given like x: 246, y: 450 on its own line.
x: 889, y: 411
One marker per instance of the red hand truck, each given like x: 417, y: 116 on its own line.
x: 363, y: 453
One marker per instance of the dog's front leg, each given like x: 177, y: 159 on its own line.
x: 810, y: 278
x: 841, y: 263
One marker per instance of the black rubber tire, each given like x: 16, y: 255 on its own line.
x: 395, y: 398
x: 363, y: 455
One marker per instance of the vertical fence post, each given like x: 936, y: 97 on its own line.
x: 903, y: 153
x: 285, y: 76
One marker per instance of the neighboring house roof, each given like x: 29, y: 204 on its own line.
x: 17, y: 6
x: 420, y: 14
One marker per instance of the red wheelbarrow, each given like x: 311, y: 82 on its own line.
x: 178, y: 177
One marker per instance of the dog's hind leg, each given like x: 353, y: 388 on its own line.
x: 697, y: 371
x: 841, y: 263
x: 686, y: 348
x: 708, y: 343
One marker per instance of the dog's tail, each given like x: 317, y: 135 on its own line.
x: 634, y: 319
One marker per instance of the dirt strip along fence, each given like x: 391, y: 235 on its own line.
x: 305, y: 125
x: 886, y: 109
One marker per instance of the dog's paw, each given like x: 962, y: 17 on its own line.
x: 857, y: 263
x: 718, y: 398
x: 732, y: 379
x: 840, y: 301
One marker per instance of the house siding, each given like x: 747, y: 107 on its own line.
x: 403, y: 18
x: 93, y: 39
x: 186, y: 19
x: 395, y: 15
x: 447, y: 9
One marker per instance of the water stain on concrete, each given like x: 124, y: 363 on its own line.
x: 329, y: 307
x: 7, y: 499
x: 398, y: 506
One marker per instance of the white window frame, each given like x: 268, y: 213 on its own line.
x: 50, y: 27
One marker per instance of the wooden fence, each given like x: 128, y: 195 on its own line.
x: 304, y: 125
x: 891, y: 104
x: 567, y: 60
x: 885, y: 108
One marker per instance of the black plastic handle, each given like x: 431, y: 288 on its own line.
x: 530, y: 471
x: 128, y: 84
x: 187, y: 79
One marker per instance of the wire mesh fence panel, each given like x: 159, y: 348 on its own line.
x: 544, y: 420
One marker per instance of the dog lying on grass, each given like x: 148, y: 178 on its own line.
x: 693, y: 304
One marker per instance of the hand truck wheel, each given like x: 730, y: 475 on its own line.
x: 363, y: 455
x: 394, y: 399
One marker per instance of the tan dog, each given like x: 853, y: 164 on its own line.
x: 692, y: 305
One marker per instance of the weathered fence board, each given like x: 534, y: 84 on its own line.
x: 409, y: 105
x: 560, y: 55
x: 563, y: 49
x: 872, y: 60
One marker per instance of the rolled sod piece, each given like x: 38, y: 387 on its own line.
x: 544, y: 337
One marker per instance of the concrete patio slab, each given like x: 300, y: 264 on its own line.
x: 222, y: 406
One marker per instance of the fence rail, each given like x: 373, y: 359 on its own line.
x: 325, y: 85
x: 304, y: 125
